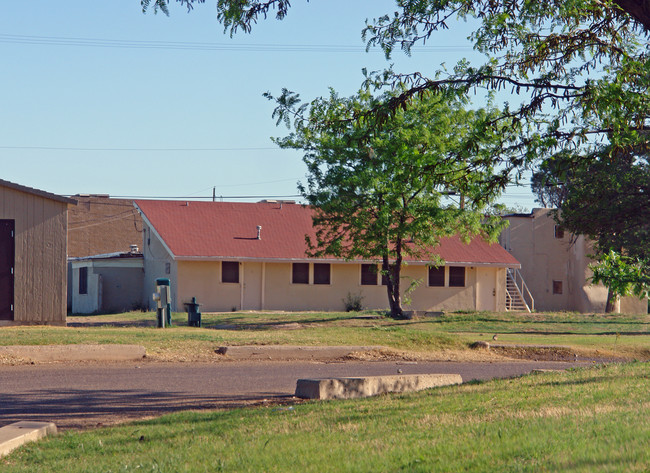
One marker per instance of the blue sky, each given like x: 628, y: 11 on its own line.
x: 100, y: 98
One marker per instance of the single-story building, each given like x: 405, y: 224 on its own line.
x: 100, y: 225
x: 555, y: 265
x: 106, y: 283
x: 252, y: 256
x: 33, y: 249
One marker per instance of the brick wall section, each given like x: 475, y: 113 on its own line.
x: 99, y: 225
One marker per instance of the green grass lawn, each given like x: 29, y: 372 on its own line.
x: 586, y: 420
x: 621, y: 335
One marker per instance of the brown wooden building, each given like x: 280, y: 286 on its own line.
x: 33, y: 250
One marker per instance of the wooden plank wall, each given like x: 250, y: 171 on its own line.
x: 41, y: 250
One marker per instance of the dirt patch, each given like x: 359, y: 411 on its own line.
x: 550, y: 353
x: 391, y: 354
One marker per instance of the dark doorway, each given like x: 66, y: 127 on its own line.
x: 7, y: 248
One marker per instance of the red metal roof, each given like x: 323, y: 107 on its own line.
x: 228, y: 230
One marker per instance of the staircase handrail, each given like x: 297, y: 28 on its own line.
x: 509, y: 300
x: 516, y: 276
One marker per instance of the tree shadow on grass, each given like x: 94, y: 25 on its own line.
x: 240, y: 323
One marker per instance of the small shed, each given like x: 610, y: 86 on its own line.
x: 33, y: 250
x: 111, y: 282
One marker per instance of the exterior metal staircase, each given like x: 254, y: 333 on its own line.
x: 518, y: 297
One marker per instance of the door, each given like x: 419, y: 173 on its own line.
x: 486, y: 292
x: 7, y: 249
x: 252, y: 279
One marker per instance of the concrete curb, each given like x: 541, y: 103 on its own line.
x: 51, y: 353
x: 287, y: 352
x: 15, y: 435
x: 352, y: 388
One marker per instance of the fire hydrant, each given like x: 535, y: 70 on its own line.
x: 163, y: 299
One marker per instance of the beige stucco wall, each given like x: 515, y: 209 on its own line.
x: 40, y: 281
x: 545, y: 258
x: 268, y: 286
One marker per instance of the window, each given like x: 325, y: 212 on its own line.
x: 83, y: 280
x: 437, y: 276
x: 368, y: 274
x: 300, y: 273
x: 456, y: 276
x: 230, y: 271
x: 557, y: 287
x: 559, y: 232
x: 322, y: 273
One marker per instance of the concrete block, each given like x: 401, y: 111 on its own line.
x: 350, y: 388
x: 15, y: 435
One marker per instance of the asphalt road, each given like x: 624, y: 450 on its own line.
x: 85, y: 395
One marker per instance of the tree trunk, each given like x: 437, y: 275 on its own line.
x: 612, y: 298
x: 638, y: 9
x: 393, y: 287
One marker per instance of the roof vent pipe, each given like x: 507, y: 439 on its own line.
x: 259, y: 232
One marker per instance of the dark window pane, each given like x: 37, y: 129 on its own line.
x: 437, y: 276
x: 368, y: 274
x: 557, y: 287
x: 559, y: 231
x: 83, y: 280
x: 300, y: 274
x: 230, y: 271
x: 321, y: 273
x: 457, y: 276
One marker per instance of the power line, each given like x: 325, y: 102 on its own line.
x: 62, y: 148
x: 152, y: 197
x: 201, y: 46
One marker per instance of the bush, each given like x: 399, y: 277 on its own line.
x: 353, y: 302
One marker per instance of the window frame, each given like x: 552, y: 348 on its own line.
x: 453, y: 281
x: 558, y: 287
x: 316, y: 280
x: 438, y: 270
x: 366, y: 273
x: 232, y: 265
x: 304, y: 275
x: 83, y: 280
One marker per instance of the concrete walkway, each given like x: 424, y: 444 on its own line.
x: 17, y: 434
x: 57, y: 353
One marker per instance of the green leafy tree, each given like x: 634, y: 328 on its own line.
x: 383, y: 194
x: 623, y: 275
x: 578, y: 71
x: 609, y: 201
x: 549, y: 183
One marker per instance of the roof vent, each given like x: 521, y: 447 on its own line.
x: 259, y: 232
x: 134, y: 249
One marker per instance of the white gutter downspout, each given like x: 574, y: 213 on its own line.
x: 263, y: 286
x: 241, y: 288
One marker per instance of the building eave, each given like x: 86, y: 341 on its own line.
x: 37, y: 192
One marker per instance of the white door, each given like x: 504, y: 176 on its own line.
x: 252, y: 275
x: 486, y: 294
